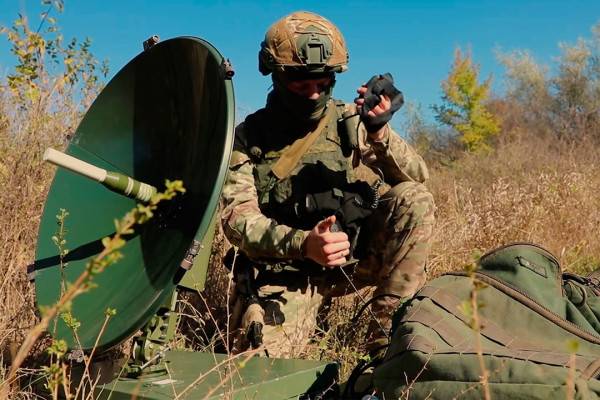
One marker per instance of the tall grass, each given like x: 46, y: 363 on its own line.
x: 41, y: 102
x: 532, y: 189
x: 24, y: 182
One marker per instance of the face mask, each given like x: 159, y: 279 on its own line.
x: 300, y: 107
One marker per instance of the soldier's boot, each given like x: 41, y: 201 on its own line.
x: 282, y: 322
x: 247, y: 317
x: 290, y: 318
x: 248, y: 335
x: 397, y: 255
x: 252, y: 325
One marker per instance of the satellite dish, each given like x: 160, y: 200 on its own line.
x: 168, y: 114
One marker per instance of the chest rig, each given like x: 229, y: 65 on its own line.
x: 325, y: 166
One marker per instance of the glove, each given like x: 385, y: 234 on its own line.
x: 377, y: 86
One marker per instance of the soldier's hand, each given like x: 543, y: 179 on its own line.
x: 377, y: 101
x: 382, y: 107
x: 325, y: 247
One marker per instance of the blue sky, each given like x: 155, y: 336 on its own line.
x: 414, y: 40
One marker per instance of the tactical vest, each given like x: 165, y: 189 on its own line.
x: 327, y: 165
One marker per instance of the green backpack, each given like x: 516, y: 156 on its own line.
x: 538, y: 335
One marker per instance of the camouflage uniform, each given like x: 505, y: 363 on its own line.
x: 258, y: 219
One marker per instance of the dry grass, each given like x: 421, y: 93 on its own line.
x: 528, y: 190
x: 24, y: 135
x: 24, y: 182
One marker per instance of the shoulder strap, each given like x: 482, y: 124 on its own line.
x: 291, y: 156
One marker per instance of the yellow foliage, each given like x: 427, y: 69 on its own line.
x: 464, y: 104
x: 39, y: 68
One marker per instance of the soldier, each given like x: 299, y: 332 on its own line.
x: 305, y: 227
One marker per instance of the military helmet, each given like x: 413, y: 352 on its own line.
x: 303, y: 42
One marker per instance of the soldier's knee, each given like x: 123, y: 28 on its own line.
x: 411, y: 204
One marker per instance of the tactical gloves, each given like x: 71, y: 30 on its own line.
x: 377, y: 86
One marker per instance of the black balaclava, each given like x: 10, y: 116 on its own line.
x: 301, y: 108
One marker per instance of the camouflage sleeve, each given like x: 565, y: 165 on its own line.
x: 243, y: 222
x: 395, y: 158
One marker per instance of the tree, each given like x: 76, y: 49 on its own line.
x: 528, y: 94
x: 576, y: 89
x: 50, y: 73
x: 463, y: 107
x: 563, y: 101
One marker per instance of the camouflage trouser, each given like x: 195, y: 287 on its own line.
x: 397, y: 240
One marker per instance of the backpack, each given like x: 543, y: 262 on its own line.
x: 513, y: 327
